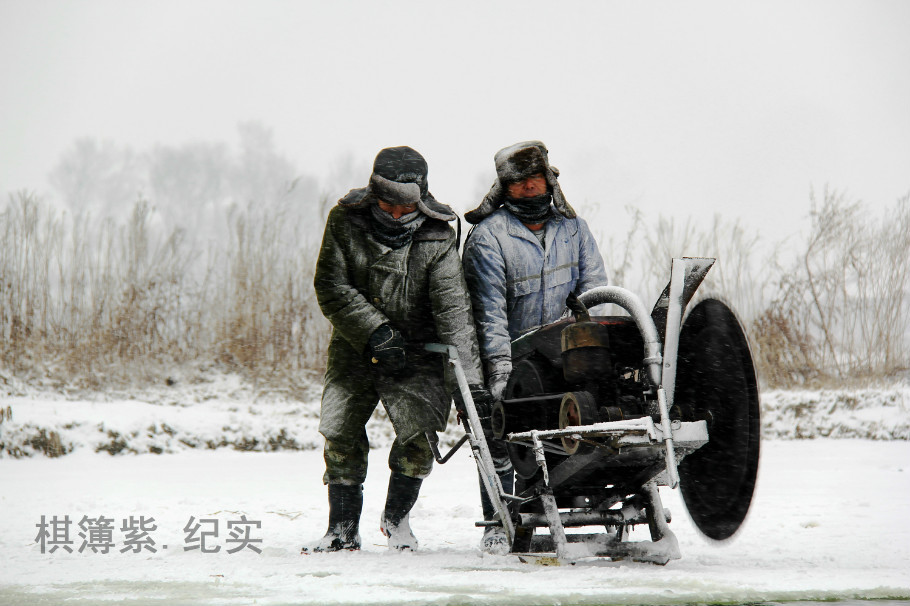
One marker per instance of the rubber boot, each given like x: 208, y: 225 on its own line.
x: 395, y: 522
x: 345, y: 505
x: 495, y: 541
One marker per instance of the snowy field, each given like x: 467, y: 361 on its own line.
x: 219, y: 517
x: 829, y: 521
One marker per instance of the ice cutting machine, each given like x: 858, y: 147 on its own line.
x: 600, y: 411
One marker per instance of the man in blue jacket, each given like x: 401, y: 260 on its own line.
x: 527, y: 252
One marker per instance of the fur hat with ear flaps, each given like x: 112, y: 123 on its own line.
x: 516, y: 163
x: 399, y: 177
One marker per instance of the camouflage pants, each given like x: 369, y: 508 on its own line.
x: 346, y: 445
x: 415, y: 404
x: 346, y: 463
x: 351, y: 392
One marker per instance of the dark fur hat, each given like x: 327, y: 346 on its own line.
x: 516, y: 163
x: 399, y: 177
x: 520, y: 161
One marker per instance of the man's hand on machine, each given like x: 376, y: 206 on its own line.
x: 483, y: 402
x: 499, y: 377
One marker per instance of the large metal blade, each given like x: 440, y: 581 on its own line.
x: 716, y: 382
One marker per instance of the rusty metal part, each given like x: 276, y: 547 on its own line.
x: 584, y: 334
x: 576, y: 408
x: 585, y: 352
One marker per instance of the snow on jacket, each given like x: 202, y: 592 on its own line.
x: 517, y: 285
x: 418, y: 288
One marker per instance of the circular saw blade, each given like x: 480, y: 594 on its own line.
x: 716, y: 382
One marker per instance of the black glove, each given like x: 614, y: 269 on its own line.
x: 483, y: 401
x: 387, y: 347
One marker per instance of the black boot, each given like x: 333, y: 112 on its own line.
x: 395, y: 522
x: 494, y: 537
x: 345, y: 504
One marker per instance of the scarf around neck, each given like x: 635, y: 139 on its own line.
x: 393, y: 232
x: 530, y: 210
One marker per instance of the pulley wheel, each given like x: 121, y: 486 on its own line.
x: 716, y: 382
x: 577, y: 408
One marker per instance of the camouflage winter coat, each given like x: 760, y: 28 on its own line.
x: 420, y: 290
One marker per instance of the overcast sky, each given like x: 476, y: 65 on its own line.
x: 682, y: 108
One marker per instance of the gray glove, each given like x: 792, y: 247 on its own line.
x: 498, y: 377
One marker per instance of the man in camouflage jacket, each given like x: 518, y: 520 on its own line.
x: 389, y: 279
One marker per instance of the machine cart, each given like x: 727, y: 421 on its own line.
x: 602, y: 410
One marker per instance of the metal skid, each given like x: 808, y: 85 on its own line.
x: 639, y: 443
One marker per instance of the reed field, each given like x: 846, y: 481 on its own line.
x: 91, y: 303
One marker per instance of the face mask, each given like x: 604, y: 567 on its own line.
x: 393, y: 232
x: 530, y: 210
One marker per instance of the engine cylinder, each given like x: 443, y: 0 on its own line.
x: 586, y: 352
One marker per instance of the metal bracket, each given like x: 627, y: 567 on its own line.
x: 686, y: 274
x: 539, y: 456
x: 666, y: 429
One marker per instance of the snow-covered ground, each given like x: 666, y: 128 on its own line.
x: 829, y: 519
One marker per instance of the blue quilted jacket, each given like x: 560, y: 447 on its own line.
x: 517, y: 285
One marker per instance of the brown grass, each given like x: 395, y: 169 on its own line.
x: 837, y: 312
x: 89, y: 304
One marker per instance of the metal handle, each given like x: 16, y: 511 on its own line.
x: 478, y: 442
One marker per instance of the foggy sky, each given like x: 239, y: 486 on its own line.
x: 682, y: 108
